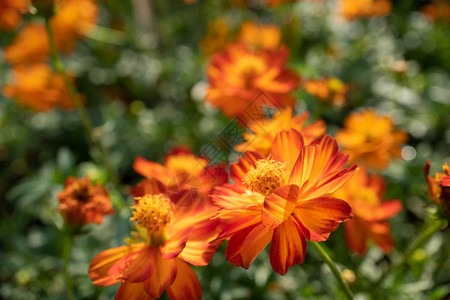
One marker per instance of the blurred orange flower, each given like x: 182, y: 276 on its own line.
x: 364, y: 193
x: 259, y: 36
x: 10, y: 13
x: 328, y: 90
x: 188, y: 177
x: 354, y: 9
x: 263, y: 131
x: 371, y: 139
x: 239, y: 75
x: 38, y: 88
x: 217, y: 38
x: 438, y: 10
x: 283, y: 199
x: 439, y: 186
x: 167, y: 236
x: 82, y: 203
x: 72, y: 19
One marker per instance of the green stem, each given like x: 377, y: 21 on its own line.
x: 66, y: 257
x: 326, y: 258
x: 433, y: 226
x: 87, y: 123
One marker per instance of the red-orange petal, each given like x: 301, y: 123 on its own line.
x: 286, y: 146
x: 303, y: 166
x: 186, y: 284
x: 132, y: 291
x: 135, y: 267
x: 355, y: 237
x: 151, y: 169
x: 239, y: 225
x: 148, y: 186
x: 102, y: 262
x: 322, y: 216
x: 239, y: 169
x: 279, y: 205
x: 163, y: 276
x: 288, y: 247
x: 234, y: 246
x: 176, y: 243
x: 254, y: 243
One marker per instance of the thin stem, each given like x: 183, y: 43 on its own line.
x: 66, y: 257
x: 87, y: 123
x: 433, y: 226
x: 326, y: 258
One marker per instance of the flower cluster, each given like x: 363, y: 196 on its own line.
x: 354, y: 9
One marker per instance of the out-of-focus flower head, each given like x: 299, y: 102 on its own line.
x: 283, y: 199
x: 437, y: 10
x: 238, y: 76
x: 271, y: 3
x: 354, y: 9
x: 167, y: 237
x: 217, y: 38
x: 370, y: 139
x: 10, y: 13
x: 38, y: 88
x: 188, y: 177
x: 73, y: 18
x: 82, y: 202
x: 329, y: 90
x: 263, y: 131
x: 259, y: 36
x: 364, y: 193
x: 439, y: 187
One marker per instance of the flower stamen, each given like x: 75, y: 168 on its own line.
x: 266, y: 176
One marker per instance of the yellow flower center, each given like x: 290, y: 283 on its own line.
x: 153, y: 212
x: 266, y: 176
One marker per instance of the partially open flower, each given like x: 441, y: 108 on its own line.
x: 82, y: 202
x: 329, y: 90
x: 439, y: 187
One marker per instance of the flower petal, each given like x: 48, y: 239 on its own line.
x: 148, y: 186
x: 234, y: 246
x: 279, y: 205
x: 132, y: 291
x: 240, y: 224
x: 134, y: 267
x: 355, y: 237
x: 151, y: 169
x: 176, y: 243
x: 254, y: 243
x: 229, y: 196
x: 286, y: 146
x: 239, y: 169
x: 102, y: 262
x: 303, y: 166
x: 186, y: 284
x: 322, y: 215
x: 163, y: 276
x: 288, y: 247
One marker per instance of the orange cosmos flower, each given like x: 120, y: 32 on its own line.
x: 364, y: 193
x: 438, y: 10
x: 73, y: 18
x: 155, y: 258
x: 283, y: 199
x: 371, y: 139
x: 354, y: 9
x: 182, y: 171
x: 10, y: 13
x: 259, y: 36
x: 82, y: 203
x: 328, y: 90
x: 439, y: 187
x: 263, y: 131
x: 38, y: 88
x: 239, y: 75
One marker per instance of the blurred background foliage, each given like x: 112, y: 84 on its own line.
x: 142, y: 71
